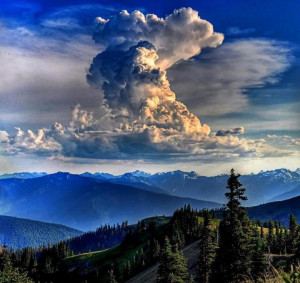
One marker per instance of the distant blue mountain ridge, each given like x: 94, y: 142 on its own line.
x: 23, y: 175
x: 261, y: 188
x: 88, y: 201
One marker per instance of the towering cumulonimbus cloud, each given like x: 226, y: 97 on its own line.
x: 131, y: 71
x: 180, y: 35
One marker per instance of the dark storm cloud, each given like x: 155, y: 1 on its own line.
x: 235, y: 131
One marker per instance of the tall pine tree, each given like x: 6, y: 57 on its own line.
x: 207, y: 250
x: 258, y: 260
x: 9, y: 273
x: 293, y: 235
x: 111, y: 277
x: 297, y: 252
x: 172, y: 265
x: 271, y: 236
x: 233, y: 260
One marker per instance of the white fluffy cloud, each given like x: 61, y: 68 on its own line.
x: 138, y: 94
x: 30, y: 142
x: 4, y: 137
x: 180, y: 35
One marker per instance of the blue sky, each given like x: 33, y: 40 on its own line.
x: 72, y: 99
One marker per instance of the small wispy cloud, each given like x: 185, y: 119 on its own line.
x: 75, y: 18
x: 238, y: 31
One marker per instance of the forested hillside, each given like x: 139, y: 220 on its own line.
x: 279, y: 210
x: 19, y: 233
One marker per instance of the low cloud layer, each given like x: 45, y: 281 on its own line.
x: 141, y: 116
x: 83, y: 138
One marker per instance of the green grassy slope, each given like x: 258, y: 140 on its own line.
x: 89, y: 263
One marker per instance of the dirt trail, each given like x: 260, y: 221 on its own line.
x: 191, y: 252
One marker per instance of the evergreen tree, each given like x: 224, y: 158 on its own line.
x: 127, y: 270
x: 164, y: 262
x: 179, y: 267
x: 178, y: 235
x: 9, y: 273
x: 25, y: 258
x: 280, y: 241
x: 258, y: 260
x: 297, y: 252
x: 233, y: 256
x: 262, y: 236
x: 62, y: 250
x: 155, y: 249
x: 285, y: 239
x: 207, y: 250
x: 276, y: 239
x: 111, y: 277
x: 32, y: 264
x: 271, y: 237
x: 293, y: 235
x: 172, y: 265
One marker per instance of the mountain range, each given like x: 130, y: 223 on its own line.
x: 23, y: 175
x: 261, y: 188
x: 85, y: 203
x: 88, y: 201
